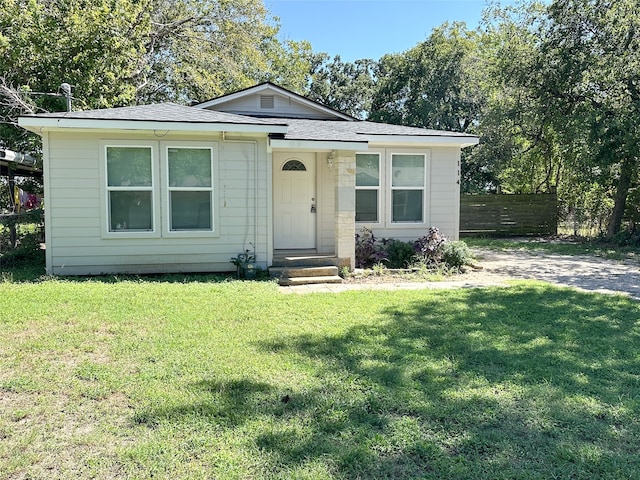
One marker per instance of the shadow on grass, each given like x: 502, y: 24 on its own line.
x: 18, y: 269
x: 230, y: 404
x: 527, y: 382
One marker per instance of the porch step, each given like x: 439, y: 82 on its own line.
x: 290, y: 281
x: 304, y: 260
x: 298, y: 268
x: 292, y: 272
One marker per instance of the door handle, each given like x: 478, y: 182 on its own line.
x: 313, y: 208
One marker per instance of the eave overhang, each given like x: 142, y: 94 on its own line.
x: 431, y: 140
x: 317, y: 145
x: 42, y: 124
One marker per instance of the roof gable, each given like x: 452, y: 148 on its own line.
x: 269, y: 100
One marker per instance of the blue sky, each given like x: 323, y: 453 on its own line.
x: 357, y: 29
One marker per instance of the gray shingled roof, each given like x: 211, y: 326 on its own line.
x: 162, y: 112
x: 342, y: 131
x: 297, y: 129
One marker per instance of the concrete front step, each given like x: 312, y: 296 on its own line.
x: 304, y: 260
x: 290, y: 281
x: 292, y: 271
x: 304, y: 268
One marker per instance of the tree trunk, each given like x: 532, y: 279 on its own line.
x: 624, y: 182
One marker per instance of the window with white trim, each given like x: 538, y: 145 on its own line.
x: 158, y: 189
x: 408, y: 180
x: 367, y: 187
x: 129, y: 175
x: 190, y: 188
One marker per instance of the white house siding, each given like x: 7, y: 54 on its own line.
x: 75, y: 211
x: 443, y: 192
x: 444, y: 197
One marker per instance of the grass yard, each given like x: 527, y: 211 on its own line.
x: 195, y: 379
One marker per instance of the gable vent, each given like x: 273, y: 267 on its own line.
x: 267, y: 101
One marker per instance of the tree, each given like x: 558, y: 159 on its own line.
x: 124, y: 52
x: 431, y: 85
x: 343, y: 86
x: 199, y: 49
x: 591, y: 56
x: 96, y: 48
x: 563, y: 89
x: 289, y: 65
x: 519, y: 144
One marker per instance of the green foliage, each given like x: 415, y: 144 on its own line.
x: 369, y: 251
x: 586, y: 207
x: 125, y: 52
x: 561, y: 107
x: 343, y: 86
x: 288, y: 64
x: 597, y: 49
x: 517, y: 152
x: 430, y: 252
x: 626, y: 238
x: 430, y: 85
x: 456, y: 254
x: 95, y: 46
x: 197, y: 50
x: 21, y: 237
x: 27, y: 250
x: 47, y: 43
x: 552, y: 90
x: 245, y: 265
x: 577, y: 123
x: 399, y: 254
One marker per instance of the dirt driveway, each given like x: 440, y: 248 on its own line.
x: 583, y: 272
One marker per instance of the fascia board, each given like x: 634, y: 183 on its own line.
x: 317, y: 145
x: 39, y: 124
x: 444, y: 140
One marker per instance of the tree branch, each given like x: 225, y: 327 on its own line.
x: 14, y: 103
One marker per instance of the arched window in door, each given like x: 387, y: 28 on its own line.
x: 294, y: 166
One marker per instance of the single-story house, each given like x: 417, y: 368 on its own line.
x: 172, y: 188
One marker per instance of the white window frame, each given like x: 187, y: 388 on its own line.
x: 159, y: 188
x: 381, y: 170
x: 106, y: 189
x: 423, y: 188
x: 167, y: 189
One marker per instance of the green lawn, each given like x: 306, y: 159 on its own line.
x: 194, y: 379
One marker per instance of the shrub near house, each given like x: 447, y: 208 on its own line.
x: 431, y: 251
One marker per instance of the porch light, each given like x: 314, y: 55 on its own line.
x: 330, y: 159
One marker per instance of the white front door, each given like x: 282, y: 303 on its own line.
x: 294, y: 200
